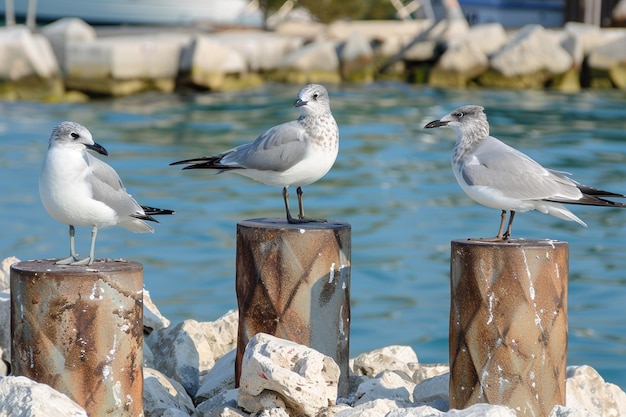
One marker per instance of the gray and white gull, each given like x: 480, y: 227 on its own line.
x: 296, y: 153
x: 78, y: 189
x: 499, y: 176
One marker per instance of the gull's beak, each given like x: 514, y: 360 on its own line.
x: 98, y: 148
x: 299, y: 102
x: 436, y: 123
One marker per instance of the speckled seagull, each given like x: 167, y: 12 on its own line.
x: 499, y: 176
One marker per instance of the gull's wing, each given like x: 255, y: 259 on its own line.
x: 106, y: 186
x: 501, y: 167
x: 278, y: 149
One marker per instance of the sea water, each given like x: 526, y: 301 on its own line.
x: 392, y: 182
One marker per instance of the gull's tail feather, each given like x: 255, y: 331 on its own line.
x: 152, y: 211
x: 205, y: 162
x: 592, y: 197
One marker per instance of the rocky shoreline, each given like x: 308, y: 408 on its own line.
x: 68, y: 60
x: 189, y: 370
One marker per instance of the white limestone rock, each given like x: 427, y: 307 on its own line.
x: 152, y: 317
x: 262, y: 51
x: 561, y: 411
x: 376, y: 408
x: 176, y: 355
x: 319, y: 56
x: 23, y: 54
x: 23, y: 397
x: 208, y: 62
x: 586, y: 390
x: 161, y: 394
x: 391, y: 358
x: 426, y: 371
x: 126, y: 57
x: 380, y: 30
x: 281, y: 373
x: 357, y: 58
x: 386, y: 385
x: 220, y: 378
x: 477, y: 410
x: 5, y: 272
x: 187, y: 351
x: 224, y: 404
x: 433, y: 389
x: 5, y: 331
x: 63, y: 31
x: 531, y: 50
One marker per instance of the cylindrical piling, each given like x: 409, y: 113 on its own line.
x: 508, y: 324
x: 293, y: 282
x: 80, y: 330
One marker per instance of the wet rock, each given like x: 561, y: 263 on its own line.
x: 280, y: 373
x: 611, y: 59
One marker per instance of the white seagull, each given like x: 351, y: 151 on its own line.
x: 295, y: 153
x: 78, y: 189
x: 499, y: 176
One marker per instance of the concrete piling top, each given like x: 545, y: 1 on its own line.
x: 99, y: 265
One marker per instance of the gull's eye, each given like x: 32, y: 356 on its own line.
x: 75, y: 135
x: 315, y: 96
x: 458, y: 114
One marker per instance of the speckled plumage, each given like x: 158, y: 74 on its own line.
x: 499, y: 176
x: 296, y: 153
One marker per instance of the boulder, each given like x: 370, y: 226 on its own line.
x: 391, y: 358
x: 532, y: 58
x: 610, y: 60
x: 5, y: 272
x: 586, y: 390
x: 357, y: 59
x: 387, y: 385
x: 152, y: 317
x: 209, y: 63
x: 284, y: 374
x: 220, y: 378
x: 63, y: 31
x: 161, y: 394
x: 316, y: 62
x: 262, y: 51
x: 125, y: 64
x: 23, y: 397
x: 224, y: 404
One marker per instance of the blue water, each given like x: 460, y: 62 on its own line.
x: 392, y: 182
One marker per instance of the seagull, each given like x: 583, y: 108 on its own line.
x: 499, y: 176
x: 78, y: 189
x: 297, y: 153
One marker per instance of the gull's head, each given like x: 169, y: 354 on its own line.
x: 313, y: 99
x: 72, y: 135
x: 468, y: 121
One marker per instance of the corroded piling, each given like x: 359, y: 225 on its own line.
x: 293, y: 282
x: 80, y: 330
x: 508, y: 324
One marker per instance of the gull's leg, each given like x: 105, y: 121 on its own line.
x: 508, y: 229
x: 300, y: 205
x: 501, y: 228
x: 73, y: 255
x: 90, y: 259
x: 286, y: 198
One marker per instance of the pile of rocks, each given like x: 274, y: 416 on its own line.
x: 189, y: 370
x: 70, y: 56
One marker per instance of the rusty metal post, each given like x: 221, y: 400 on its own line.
x: 508, y: 324
x: 80, y: 330
x: 293, y: 282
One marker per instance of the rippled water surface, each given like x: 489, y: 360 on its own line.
x: 392, y: 182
